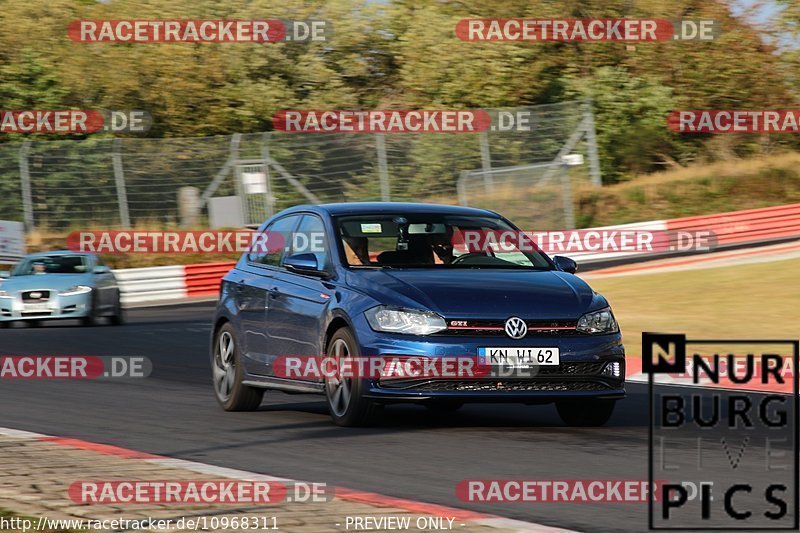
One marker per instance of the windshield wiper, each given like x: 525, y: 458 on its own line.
x: 378, y: 267
x: 503, y: 267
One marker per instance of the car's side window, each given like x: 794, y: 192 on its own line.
x: 311, y: 237
x: 255, y: 254
x: 279, y: 235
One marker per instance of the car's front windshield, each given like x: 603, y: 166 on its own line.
x: 417, y: 240
x: 57, y: 264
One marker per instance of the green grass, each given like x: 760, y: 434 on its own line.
x: 758, y: 300
x: 698, y: 190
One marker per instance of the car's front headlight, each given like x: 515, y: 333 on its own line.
x: 5, y: 294
x: 409, y: 321
x: 77, y: 289
x: 598, y: 322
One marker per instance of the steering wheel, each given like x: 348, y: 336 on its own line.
x: 462, y: 258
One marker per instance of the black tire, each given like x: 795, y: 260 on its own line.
x: 348, y: 407
x: 91, y: 318
x: 228, y: 374
x: 5, y: 324
x: 585, y: 413
x: 118, y: 318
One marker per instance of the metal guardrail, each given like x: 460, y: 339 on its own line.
x: 765, y: 224
x: 204, y: 279
x: 155, y: 284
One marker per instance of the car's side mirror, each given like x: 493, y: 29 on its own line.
x: 102, y: 269
x: 5, y: 274
x: 305, y: 263
x: 566, y: 264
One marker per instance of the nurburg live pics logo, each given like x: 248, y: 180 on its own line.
x: 726, y: 453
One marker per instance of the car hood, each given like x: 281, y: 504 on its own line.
x: 54, y: 282
x: 473, y: 293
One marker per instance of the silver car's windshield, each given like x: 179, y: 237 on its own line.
x: 61, y: 264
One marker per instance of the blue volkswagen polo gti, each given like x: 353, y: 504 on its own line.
x: 391, y: 282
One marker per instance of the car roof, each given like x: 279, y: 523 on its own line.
x: 58, y: 253
x: 392, y: 208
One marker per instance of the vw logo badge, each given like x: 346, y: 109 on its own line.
x: 516, y: 328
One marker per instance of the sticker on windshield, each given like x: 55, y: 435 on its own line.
x: 371, y: 228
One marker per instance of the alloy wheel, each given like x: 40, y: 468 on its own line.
x: 339, y: 388
x: 224, y: 366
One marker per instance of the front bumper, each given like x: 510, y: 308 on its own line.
x: 585, y: 370
x: 57, y: 307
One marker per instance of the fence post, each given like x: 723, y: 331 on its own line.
x: 233, y: 154
x: 25, y: 181
x: 591, y: 144
x: 486, y: 163
x: 462, y: 189
x: 265, y: 156
x: 383, y: 168
x: 566, y: 188
x: 189, y: 207
x: 119, y: 179
x: 238, y: 186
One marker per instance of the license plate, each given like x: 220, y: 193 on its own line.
x: 37, y: 307
x: 518, y: 357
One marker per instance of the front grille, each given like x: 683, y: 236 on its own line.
x: 540, y: 373
x: 496, y: 328
x: 506, y: 386
x: 35, y: 296
x: 571, y: 369
x: 544, y: 378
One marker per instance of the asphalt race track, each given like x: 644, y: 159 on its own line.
x: 411, y: 454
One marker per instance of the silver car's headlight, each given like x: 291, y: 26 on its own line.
x: 409, y: 321
x: 5, y: 294
x: 77, y: 289
x: 598, y: 322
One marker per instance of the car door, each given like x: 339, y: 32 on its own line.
x: 252, y: 284
x: 298, y: 301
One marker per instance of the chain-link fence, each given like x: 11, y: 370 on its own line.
x: 533, y: 196
x: 136, y: 182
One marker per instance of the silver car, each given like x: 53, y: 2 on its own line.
x: 59, y: 285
